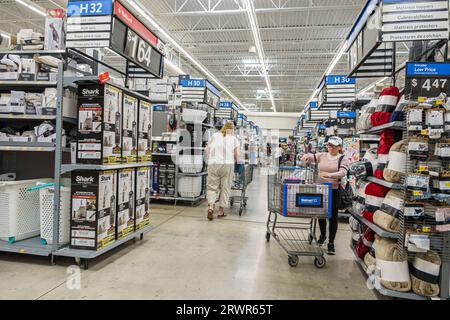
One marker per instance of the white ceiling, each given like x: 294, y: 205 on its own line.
x: 299, y: 37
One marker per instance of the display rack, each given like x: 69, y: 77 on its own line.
x: 66, y: 78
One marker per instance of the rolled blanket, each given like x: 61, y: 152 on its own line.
x: 389, y: 98
x: 380, y: 118
x: 394, y: 268
x: 361, y: 169
x: 386, y: 221
x: 379, y: 173
x: 355, y: 227
x: 361, y: 193
x: 375, y: 194
x: 396, y: 166
x: 370, y: 260
x: 365, y: 243
x: 364, y: 122
x: 368, y: 215
x: 394, y: 203
x: 425, y: 270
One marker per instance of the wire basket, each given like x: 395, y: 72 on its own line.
x: 46, y: 198
x: 19, y: 210
x: 194, y: 115
x: 190, y: 187
x: 190, y: 163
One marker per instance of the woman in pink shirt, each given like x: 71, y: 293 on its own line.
x: 330, y: 171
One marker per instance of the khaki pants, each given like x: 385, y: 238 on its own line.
x: 220, y: 178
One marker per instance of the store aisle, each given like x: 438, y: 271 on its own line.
x: 188, y: 257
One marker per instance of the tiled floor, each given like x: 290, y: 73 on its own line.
x: 188, y: 257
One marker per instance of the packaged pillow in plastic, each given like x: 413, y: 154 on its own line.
x: 425, y: 270
x: 396, y: 166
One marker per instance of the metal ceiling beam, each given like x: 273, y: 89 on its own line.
x: 261, y: 10
x: 283, y: 28
x: 265, y: 41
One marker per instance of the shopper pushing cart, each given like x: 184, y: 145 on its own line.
x: 296, y: 203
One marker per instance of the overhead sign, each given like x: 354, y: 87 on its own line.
x: 89, y: 24
x: 427, y: 79
x: 314, y: 104
x: 339, y: 89
x: 201, y: 91
x: 108, y: 23
x: 193, y: 83
x: 412, y: 20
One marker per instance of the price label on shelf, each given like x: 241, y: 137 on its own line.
x: 423, y: 169
x: 417, y: 193
x: 426, y: 80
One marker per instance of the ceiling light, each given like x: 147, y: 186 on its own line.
x: 32, y: 7
x: 259, y: 47
x: 4, y: 35
x: 252, y: 49
x: 144, y: 13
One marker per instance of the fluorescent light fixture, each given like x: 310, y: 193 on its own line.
x: 5, y: 35
x: 144, y: 13
x: 32, y: 7
x: 248, y: 4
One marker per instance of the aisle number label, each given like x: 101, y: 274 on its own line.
x: 89, y: 8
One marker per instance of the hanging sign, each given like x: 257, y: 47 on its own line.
x: 427, y: 80
x: 201, y: 91
x: 339, y: 89
x: 346, y: 119
x: 89, y: 23
x: 314, y: 104
x: 411, y: 20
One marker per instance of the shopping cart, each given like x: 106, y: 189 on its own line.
x: 293, y: 193
x: 243, y: 176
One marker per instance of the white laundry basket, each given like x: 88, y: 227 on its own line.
x: 194, y: 115
x: 19, y: 210
x: 190, y: 187
x: 191, y: 163
x: 46, y: 196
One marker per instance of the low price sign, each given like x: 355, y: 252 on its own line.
x: 346, y: 119
x: 427, y: 80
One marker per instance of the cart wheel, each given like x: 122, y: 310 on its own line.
x: 231, y: 202
x: 245, y: 204
x: 268, y: 236
x: 310, y: 239
x: 85, y: 264
x: 320, y: 262
x: 293, y: 261
x: 240, y: 211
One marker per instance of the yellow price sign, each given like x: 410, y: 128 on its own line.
x: 426, y: 229
x: 439, y: 102
x: 422, y: 99
x: 447, y: 183
x: 424, y: 132
x: 417, y: 193
x: 23, y: 251
x: 423, y: 168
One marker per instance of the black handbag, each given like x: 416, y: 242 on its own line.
x: 345, y: 195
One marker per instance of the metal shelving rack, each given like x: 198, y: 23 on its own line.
x: 34, y: 246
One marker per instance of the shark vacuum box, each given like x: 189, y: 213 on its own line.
x: 129, y: 132
x: 99, y: 124
x: 126, y: 202
x: 142, y: 197
x: 93, y: 210
x: 144, y: 131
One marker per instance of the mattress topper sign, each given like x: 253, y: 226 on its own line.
x: 412, y: 20
x: 340, y: 80
x: 427, y: 80
x: 89, y: 8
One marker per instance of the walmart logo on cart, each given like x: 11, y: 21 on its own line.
x: 307, y: 200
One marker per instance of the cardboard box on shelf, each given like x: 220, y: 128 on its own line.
x: 93, y: 209
x: 99, y: 124
x: 142, y: 197
x: 126, y: 202
x: 130, y: 130
x: 28, y: 69
x: 144, y: 131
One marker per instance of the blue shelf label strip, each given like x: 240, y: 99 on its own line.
x: 89, y: 8
x: 340, y: 80
x: 417, y: 69
x: 346, y: 114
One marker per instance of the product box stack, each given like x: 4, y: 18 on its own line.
x: 114, y: 127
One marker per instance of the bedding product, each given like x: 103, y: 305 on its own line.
x: 379, y: 173
x: 368, y: 215
x: 355, y: 227
x: 425, y: 269
x: 364, y: 121
x: 370, y: 260
x: 386, y: 106
x: 365, y: 243
x: 387, y: 139
x: 386, y: 221
x: 375, y: 194
x: 396, y: 166
x: 394, y: 268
